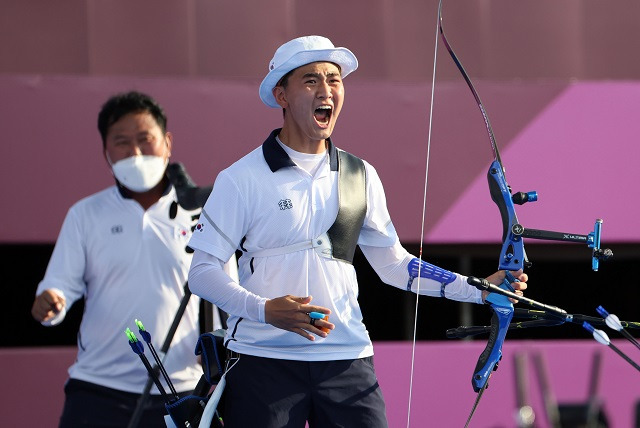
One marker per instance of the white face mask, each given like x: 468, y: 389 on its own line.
x: 140, y: 173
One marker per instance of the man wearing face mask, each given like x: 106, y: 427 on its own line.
x: 123, y: 250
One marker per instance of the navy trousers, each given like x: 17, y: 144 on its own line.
x: 272, y: 393
x: 90, y: 405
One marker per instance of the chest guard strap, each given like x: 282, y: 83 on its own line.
x: 340, y: 241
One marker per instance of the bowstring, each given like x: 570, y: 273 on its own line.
x: 424, y: 212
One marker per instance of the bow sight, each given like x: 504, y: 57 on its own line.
x: 513, y: 256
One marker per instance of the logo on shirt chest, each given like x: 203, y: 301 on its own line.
x: 285, y: 204
x: 116, y: 229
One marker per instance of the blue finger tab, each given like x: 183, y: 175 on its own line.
x: 317, y: 315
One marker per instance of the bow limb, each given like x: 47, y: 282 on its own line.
x: 467, y: 79
x: 489, y: 358
x: 513, y: 256
x: 492, y: 354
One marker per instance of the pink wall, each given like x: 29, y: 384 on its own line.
x: 33, y: 382
x: 575, y: 144
x: 543, y: 69
x: 497, y: 39
x: 441, y: 395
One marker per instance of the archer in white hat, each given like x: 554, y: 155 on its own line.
x: 297, y: 207
x: 305, y: 79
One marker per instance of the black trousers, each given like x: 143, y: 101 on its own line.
x: 271, y: 393
x: 90, y: 405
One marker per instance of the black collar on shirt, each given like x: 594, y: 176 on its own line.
x: 277, y: 158
x: 126, y: 193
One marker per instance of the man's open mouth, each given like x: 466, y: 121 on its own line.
x: 323, y: 114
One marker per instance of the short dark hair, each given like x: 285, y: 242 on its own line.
x: 128, y: 102
x: 284, y: 81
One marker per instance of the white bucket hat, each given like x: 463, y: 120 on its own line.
x: 299, y: 52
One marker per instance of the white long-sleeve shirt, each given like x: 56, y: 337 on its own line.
x: 266, y: 201
x: 128, y: 264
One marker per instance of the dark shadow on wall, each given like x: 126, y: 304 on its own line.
x: 561, y: 275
